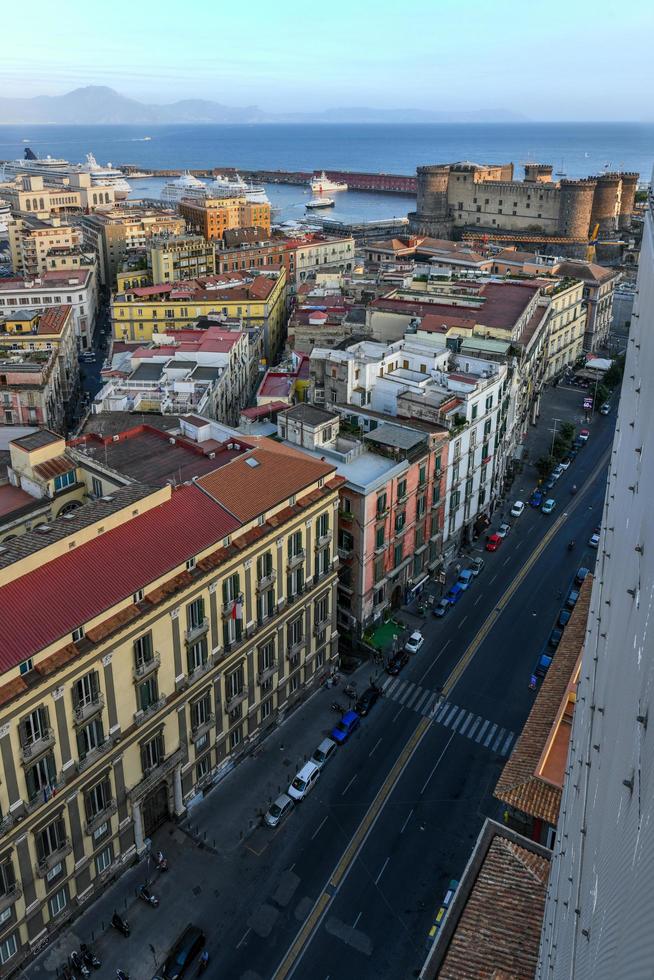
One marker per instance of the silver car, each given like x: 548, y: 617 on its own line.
x: 278, y: 810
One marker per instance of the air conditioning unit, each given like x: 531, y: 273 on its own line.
x: 116, y: 438
x: 172, y: 440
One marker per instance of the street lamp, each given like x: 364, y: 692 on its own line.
x: 553, y: 435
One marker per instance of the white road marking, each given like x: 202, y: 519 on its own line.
x: 407, y: 693
x: 375, y: 746
x: 493, y: 579
x: 349, y: 784
x: 488, y: 738
x: 382, y: 870
x: 421, y: 701
x: 427, y: 708
x: 356, y: 922
x: 461, y: 622
x: 451, y: 716
x: 406, y: 821
x: 482, y: 730
x: 475, y: 726
x: 466, y: 723
x: 509, y: 739
x: 243, y: 938
x: 461, y: 715
x: 395, y: 717
x: 438, y: 762
x: 497, y: 741
x: 507, y: 560
x: 442, y: 710
x: 395, y: 682
x: 319, y: 827
x: 386, y: 683
x: 416, y: 694
x: 480, y: 596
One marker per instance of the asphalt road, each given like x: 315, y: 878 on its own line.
x: 375, y: 920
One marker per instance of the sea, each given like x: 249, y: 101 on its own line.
x: 574, y: 149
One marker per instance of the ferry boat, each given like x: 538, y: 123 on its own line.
x: 320, y: 202
x: 322, y: 184
x: 57, y: 170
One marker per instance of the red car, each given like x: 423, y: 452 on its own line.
x: 583, y: 435
x: 493, y: 542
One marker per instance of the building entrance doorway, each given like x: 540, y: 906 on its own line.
x: 155, y: 809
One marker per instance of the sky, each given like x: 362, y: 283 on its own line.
x: 558, y: 60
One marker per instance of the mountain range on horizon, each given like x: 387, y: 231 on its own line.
x: 101, y: 105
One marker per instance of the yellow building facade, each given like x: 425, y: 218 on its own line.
x: 141, y: 681
x: 566, y: 326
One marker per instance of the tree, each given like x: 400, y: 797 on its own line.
x: 613, y: 376
x: 567, y: 432
x: 560, y: 449
x: 601, y: 395
x: 544, y: 466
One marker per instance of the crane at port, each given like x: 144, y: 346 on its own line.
x: 595, y: 240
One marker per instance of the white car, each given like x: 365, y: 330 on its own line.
x: 503, y: 530
x: 593, y: 541
x: 517, y: 508
x: 414, y: 642
x: 557, y: 472
x: 565, y: 463
x: 304, y: 781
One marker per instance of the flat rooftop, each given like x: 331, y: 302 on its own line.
x: 395, y: 437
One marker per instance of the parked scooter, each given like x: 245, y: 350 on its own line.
x: 338, y: 707
x: 350, y: 690
x: 121, y: 975
x: 203, y: 962
x: 148, y: 896
x: 160, y: 862
x: 122, y: 925
x: 78, y: 965
x: 89, y: 956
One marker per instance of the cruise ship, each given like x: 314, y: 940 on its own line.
x: 57, y: 170
x: 188, y: 186
x: 322, y: 184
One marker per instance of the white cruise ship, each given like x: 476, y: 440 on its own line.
x: 185, y: 186
x: 322, y: 184
x: 234, y: 186
x: 56, y: 170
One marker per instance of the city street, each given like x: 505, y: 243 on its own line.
x: 359, y: 868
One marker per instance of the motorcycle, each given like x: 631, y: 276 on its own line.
x: 573, y: 489
x: 571, y: 545
x: 78, y: 964
x: 350, y: 690
x: 89, y: 956
x: 148, y: 896
x: 122, y: 925
x: 338, y: 707
x: 160, y: 862
x: 203, y: 963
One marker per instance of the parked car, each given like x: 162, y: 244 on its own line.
x: 466, y: 578
x: 605, y: 409
x: 279, y: 810
x: 324, y: 752
x: 583, y: 435
x: 557, y: 472
x: 564, y: 617
x: 182, y: 953
x: 442, y: 607
x: 581, y: 575
x: 571, y: 601
x: 397, y: 662
x: 367, y: 701
x: 304, y: 781
x: 549, y: 505
x: 536, y: 499
x: 348, y: 724
x: 414, y: 642
x: 493, y: 542
x: 454, y: 594
x: 517, y: 508
x: 593, y: 541
x: 555, y: 638
x: 543, y: 664
x: 549, y: 484
x: 565, y: 463
x: 476, y: 566
x: 579, y: 442
x: 503, y: 529
x: 572, y: 455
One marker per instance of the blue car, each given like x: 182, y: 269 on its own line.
x: 536, y: 499
x: 348, y: 724
x: 454, y: 594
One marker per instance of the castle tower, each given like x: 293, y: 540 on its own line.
x: 606, y: 203
x: 431, y: 216
x: 538, y: 173
x: 575, y: 207
x: 627, y: 197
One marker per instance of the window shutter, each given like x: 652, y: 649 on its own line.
x: 95, y: 684
x: 30, y: 779
x: 88, y: 807
x: 40, y: 846
x: 52, y: 769
x: 81, y: 744
x: 225, y: 593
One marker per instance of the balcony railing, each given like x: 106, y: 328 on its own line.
x: 227, y: 607
x: 321, y: 625
x: 236, y: 699
x: 194, y: 633
x: 144, y: 713
x: 30, y: 750
x: 297, y: 558
x: 100, y: 817
x: 324, y: 539
x: 267, y: 672
x: 295, y: 647
x: 266, y: 581
x: 145, y: 667
x: 86, y: 709
x: 42, y: 867
x: 197, y: 731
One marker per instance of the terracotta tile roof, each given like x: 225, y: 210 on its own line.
x: 84, y: 582
x: 497, y: 932
x: 520, y: 786
x: 262, y: 479
x: 54, y: 467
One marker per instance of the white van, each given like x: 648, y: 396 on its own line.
x: 304, y: 781
x: 324, y: 752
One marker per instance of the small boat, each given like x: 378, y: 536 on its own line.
x: 320, y: 202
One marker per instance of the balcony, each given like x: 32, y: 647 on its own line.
x: 48, y: 863
x: 144, y: 668
x: 236, y: 699
x: 345, y: 515
x: 84, y: 710
x: 194, y: 633
x: 294, y: 648
x: 321, y: 625
x: 266, y: 581
x: 200, y: 669
x: 197, y: 731
x: 12, y: 894
x: 101, y: 817
x: 267, y: 672
x: 144, y: 713
x: 296, y: 559
x: 345, y: 553
x: 154, y: 774
x: 380, y: 548
x: 227, y: 608
x: 38, y: 746
x: 324, y: 539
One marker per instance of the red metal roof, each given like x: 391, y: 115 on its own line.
x: 81, y: 584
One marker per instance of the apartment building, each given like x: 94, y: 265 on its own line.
x: 307, y: 254
x: 32, y: 196
x: 176, y: 257
x: 31, y: 240
x: 257, y: 300
x: 115, y: 233
x: 120, y: 706
x: 567, y: 325
x: 599, y: 285
x: 76, y: 288
x: 213, y: 216
x: 391, y: 514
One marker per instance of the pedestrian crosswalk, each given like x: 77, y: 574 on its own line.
x: 431, y: 705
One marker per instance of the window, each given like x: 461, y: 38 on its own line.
x: 401, y: 489
x: 64, y: 480
x: 90, y: 737
x: 58, y: 902
x: 378, y: 569
x: 322, y: 525
x: 231, y: 589
x: 381, y: 503
x: 235, y: 683
x: 86, y: 690
x: 234, y: 738
x: 295, y: 631
x: 489, y: 403
x: 487, y: 426
x: 420, y: 506
x: 197, y: 654
x: 400, y: 520
x: 34, y: 728
x: 436, y: 493
x: 397, y: 555
x: 295, y: 545
x: 422, y: 475
x: 8, y: 946
x: 202, y: 769
x: 97, y: 799
x: 195, y: 614
x: 104, y: 859
x: 26, y: 666
x: 321, y: 610
x: 152, y: 753
x: 266, y: 709
x: 51, y: 839
x: 420, y: 537
x: 265, y: 604
x: 147, y: 693
x: 264, y: 565
x: 78, y: 634
x: 7, y: 878
x: 379, y: 537
x: 201, y: 711
x: 40, y: 777
x: 417, y: 565
x: 322, y: 562
x: 295, y: 582
x: 266, y: 656
x: 475, y: 410
x: 143, y: 652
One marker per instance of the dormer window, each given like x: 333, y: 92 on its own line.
x: 78, y: 634
x: 65, y: 480
x: 26, y: 666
